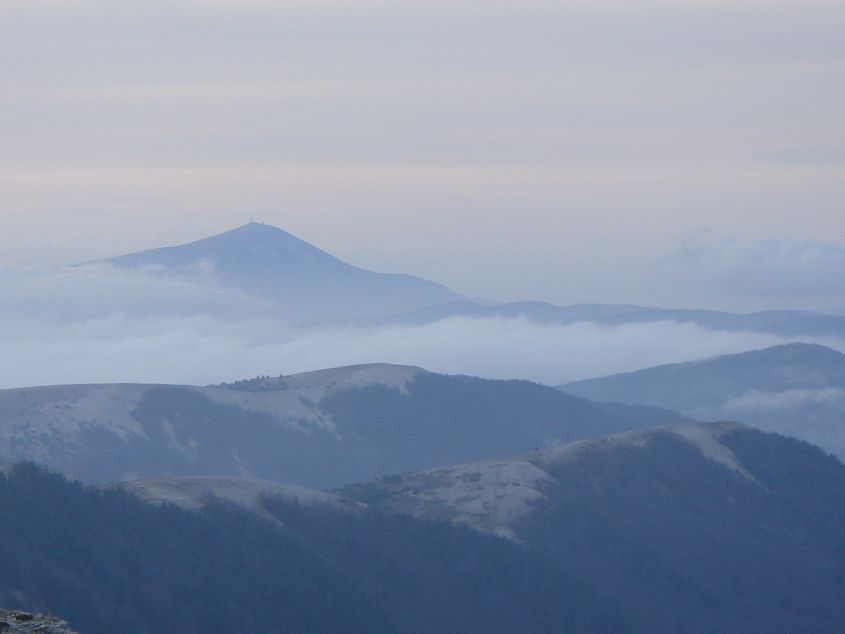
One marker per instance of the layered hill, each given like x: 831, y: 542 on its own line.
x: 305, y: 281
x: 318, y: 429
x: 697, y: 528
x: 796, y: 389
x: 701, y: 528
x: 111, y: 563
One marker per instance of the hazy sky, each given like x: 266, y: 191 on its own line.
x: 674, y: 153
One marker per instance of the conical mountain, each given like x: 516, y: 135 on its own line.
x: 273, y: 264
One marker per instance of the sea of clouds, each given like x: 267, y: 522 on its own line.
x: 98, y: 324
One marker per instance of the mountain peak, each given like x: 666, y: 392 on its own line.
x: 253, y: 228
x: 253, y: 234
x: 252, y: 225
x: 270, y: 263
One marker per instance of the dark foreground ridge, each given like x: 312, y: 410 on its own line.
x: 701, y: 529
x: 120, y: 565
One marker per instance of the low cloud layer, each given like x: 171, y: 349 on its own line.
x: 760, y: 401
x: 200, y: 350
x: 101, y: 325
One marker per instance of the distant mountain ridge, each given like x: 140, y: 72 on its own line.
x: 788, y: 323
x: 316, y: 429
x: 796, y: 389
x: 273, y: 264
x: 311, y: 285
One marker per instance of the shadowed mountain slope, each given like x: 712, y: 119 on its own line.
x: 796, y: 389
x: 318, y: 429
x: 699, y: 528
x: 196, y: 492
x: 112, y: 563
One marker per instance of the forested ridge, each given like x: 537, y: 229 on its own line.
x: 108, y: 562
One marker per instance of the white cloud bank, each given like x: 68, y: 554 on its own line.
x: 761, y: 401
x: 200, y: 349
x: 98, y: 324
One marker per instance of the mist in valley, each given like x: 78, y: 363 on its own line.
x: 101, y: 324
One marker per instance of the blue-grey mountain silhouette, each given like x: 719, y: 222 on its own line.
x: 317, y: 429
x: 270, y: 263
x: 788, y: 323
x: 796, y: 389
x: 699, y: 528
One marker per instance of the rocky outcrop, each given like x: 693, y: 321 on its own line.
x: 16, y: 622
